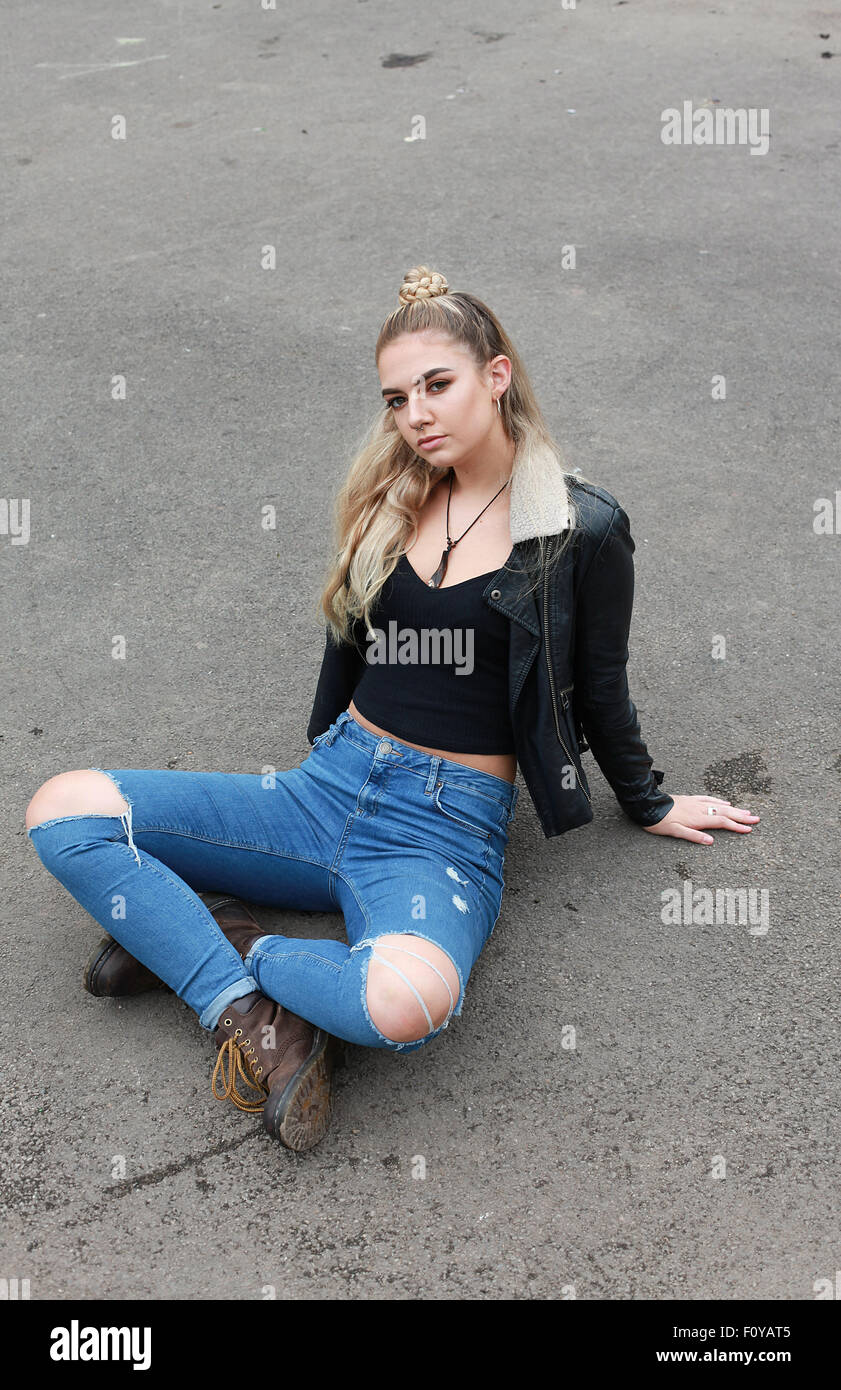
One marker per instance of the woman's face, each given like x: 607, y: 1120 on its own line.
x: 432, y: 387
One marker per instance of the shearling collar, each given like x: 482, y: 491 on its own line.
x: 542, y: 512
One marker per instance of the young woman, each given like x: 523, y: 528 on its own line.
x: 478, y: 606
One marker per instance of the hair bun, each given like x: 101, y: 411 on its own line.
x: 421, y: 283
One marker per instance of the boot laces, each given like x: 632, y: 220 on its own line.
x: 230, y: 1053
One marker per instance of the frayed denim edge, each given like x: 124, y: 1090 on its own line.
x: 125, y: 817
x: 414, y: 1043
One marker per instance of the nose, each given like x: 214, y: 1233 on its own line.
x: 417, y: 407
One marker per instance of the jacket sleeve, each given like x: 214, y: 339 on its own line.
x: 342, y: 668
x: 602, y: 700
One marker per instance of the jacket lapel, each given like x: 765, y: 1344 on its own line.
x: 521, y: 609
x: 514, y: 602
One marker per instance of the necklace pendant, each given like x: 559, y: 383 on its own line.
x: 441, y: 570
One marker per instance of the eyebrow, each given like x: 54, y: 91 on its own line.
x: 393, y: 390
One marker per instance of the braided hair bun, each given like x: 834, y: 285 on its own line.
x: 421, y: 283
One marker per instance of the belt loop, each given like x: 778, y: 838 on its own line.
x: 433, y: 774
x: 336, y: 729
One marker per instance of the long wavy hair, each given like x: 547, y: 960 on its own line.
x: 375, y: 513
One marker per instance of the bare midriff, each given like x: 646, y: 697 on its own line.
x: 498, y: 764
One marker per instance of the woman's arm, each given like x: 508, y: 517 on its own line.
x: 606, y: 712
x: 608, y: 715
x: 342, y: 668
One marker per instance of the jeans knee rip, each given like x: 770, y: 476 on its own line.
x: 125, y: 816
x: 371, y: 941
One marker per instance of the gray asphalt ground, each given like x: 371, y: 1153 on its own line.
x: 687, y: 1146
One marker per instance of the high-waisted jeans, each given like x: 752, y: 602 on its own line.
x: 397, y: 840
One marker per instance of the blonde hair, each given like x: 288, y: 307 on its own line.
x: 375, y: 513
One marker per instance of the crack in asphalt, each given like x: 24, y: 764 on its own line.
x: 122, y: 1188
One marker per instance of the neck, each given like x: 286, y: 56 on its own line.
x: 479, y: 478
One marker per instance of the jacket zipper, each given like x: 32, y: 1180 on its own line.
x: 570, y: 758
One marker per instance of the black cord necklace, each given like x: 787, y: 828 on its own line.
x: 438, y: 576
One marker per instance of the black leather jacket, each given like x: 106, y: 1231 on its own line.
x: 565, y: 695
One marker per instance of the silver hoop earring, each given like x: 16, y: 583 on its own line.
x: 498, y: 406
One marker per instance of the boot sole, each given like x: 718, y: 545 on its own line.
x: 299, y: 1115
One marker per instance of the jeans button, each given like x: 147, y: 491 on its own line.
x: 385, y: 746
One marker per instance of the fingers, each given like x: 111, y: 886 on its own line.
x: 678, y: 831
x: 720, y: 823
x: 695, y: 821
x: 732, y: 819
x: 686, y: 832
x: 726, y: 812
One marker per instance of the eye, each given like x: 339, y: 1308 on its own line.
x: 391, y: 404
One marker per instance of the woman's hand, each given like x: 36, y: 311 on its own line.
x: 690, y: 813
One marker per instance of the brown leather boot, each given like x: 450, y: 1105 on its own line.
x: 239, y: 925
x: 111, y: 971
x: 289, y: 1068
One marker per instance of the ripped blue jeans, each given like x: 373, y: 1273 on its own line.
x: 398, y: 841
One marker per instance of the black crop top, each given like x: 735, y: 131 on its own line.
x: 437, y: 673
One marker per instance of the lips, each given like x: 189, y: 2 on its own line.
x: 430, y: 439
